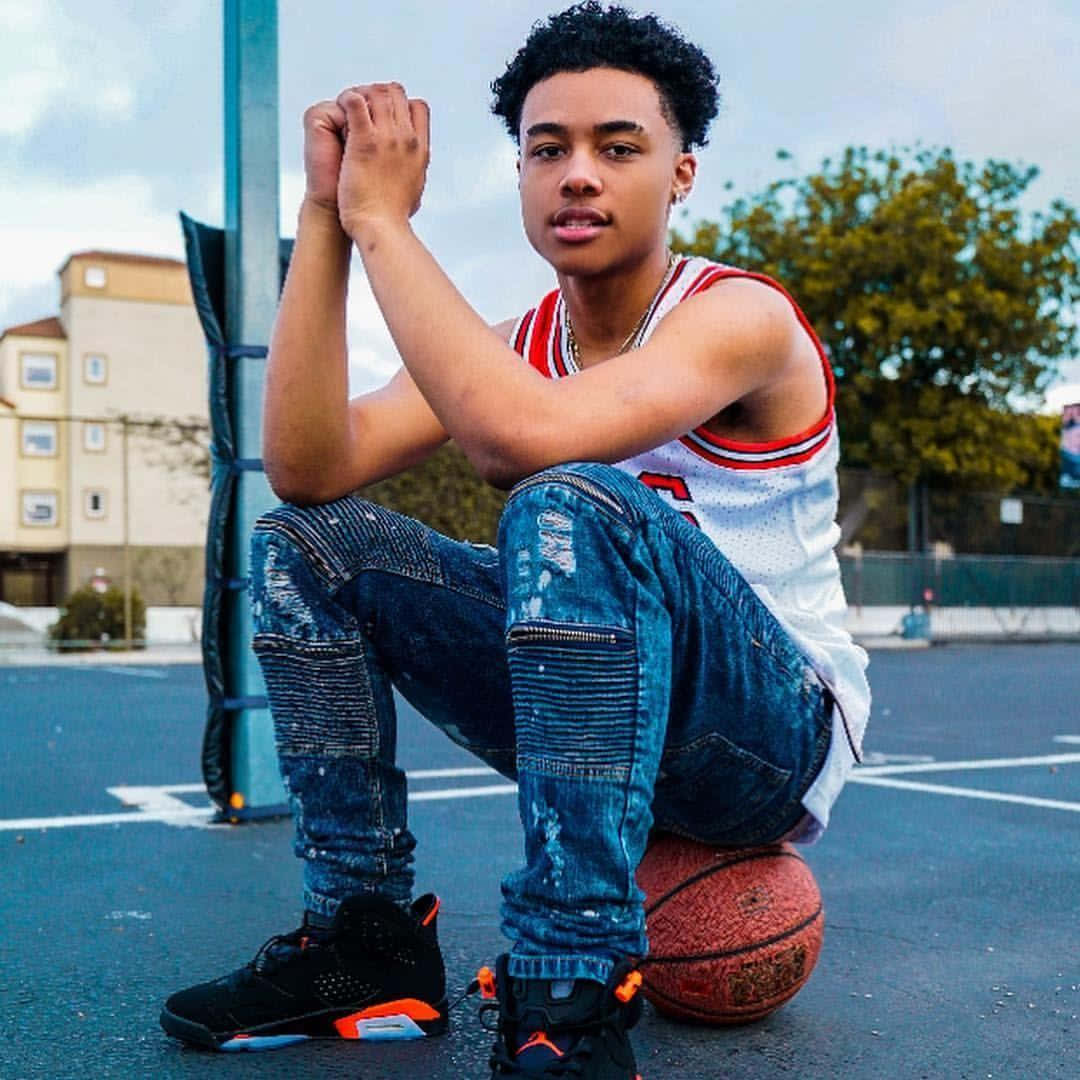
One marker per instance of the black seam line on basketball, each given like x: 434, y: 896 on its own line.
x: 734, y: 952
x: 713, y: 867
x: 748, y: 1013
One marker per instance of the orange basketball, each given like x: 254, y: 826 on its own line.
x: 733, y: 933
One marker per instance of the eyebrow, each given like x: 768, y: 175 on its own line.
x: 608, y: 127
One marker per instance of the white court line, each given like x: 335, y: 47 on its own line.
x: 16, y: 824
x: 957, y: 766
x: 439, y: 774
x: 158, y: 804
x: 412, y: 774
x: 135, y: 672
x: 1067, y: 738
x: 464, y: 793
x: 965, y: 793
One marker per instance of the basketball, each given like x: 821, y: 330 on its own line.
x: 733, y: 933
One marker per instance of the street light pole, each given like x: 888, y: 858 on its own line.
x: 124, y: 429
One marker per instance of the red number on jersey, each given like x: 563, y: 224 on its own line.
x: 675, y: 486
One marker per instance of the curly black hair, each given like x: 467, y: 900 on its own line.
x: 588, y: 35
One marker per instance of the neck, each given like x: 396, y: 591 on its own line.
x: 605, y: 308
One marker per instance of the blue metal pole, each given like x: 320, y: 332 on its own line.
x: 251, y: 297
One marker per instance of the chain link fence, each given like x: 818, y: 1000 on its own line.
x: 930, y: 563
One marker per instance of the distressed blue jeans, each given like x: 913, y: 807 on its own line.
x: 605, y: 655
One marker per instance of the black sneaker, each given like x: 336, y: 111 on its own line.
x: 375, y: 973
x: 562, y: 1028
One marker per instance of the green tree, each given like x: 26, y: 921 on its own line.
x: 944, y: 311
x: 446, y: 493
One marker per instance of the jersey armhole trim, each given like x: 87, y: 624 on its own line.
x: 793, y: 443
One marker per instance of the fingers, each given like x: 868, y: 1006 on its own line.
x: 328, y: 115
x: 354, y: 103
x: 420, y: 117
x: 382, y: 105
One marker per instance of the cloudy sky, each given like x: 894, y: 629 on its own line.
x: 111, y: 118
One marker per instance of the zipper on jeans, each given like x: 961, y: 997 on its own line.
x: 573, y: 480
x: 525, y: 635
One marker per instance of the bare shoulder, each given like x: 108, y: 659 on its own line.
x: 737, y: 322
x: 504, y: 329
x: 743, y: 297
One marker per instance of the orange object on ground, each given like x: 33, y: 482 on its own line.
x: 733, y: 933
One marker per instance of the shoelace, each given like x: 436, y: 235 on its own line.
x: 282, y: 948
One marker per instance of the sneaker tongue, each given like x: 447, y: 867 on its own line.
x: 546, y: 1009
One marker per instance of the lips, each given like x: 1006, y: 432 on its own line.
x: 580, y: 216
x: 578, y: 224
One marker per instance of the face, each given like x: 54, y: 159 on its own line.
x: 599, y: 168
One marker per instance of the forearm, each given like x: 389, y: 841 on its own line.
x: 305, y: 414
x: 469, y: 376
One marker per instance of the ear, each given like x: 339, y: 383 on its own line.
x: 684, y: 173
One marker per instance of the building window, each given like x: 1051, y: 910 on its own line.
x: 38, y: 371
x: 38, y: 438
x: 93, y: 438
x: 40, y: 508
x: 94, y: 504
x: 95, y: 369
x: 94, y: 277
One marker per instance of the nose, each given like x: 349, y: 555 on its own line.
x: 581, y: 176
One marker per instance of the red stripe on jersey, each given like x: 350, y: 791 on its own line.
x: 523, y: 331
x: 731, y: 462
x: 538, y: 348
x: 704, y: 281
x: 556, y: 343
x: 710, y: 278
x: 702, y: 275
x: 682, y: 265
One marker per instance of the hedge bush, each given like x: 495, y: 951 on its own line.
x: 95, y: 620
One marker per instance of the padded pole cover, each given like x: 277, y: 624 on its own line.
x: 224, y: 598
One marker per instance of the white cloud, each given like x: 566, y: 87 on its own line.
x: 116, y: 98
x: 290, y: 196
x: 32, y: 71
x: 992, y: 82
x: 460, y: 181
x: 372, y: 355
x: 369, y: 369
x: 1065, y: 394
x: 45, y: 222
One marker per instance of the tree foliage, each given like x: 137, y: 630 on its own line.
x: 92, y: 619
x: 943, y: 309
x: 445, y: 493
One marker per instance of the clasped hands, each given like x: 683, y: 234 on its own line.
x: 366, y: 155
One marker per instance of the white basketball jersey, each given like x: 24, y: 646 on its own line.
x: 769, y: 507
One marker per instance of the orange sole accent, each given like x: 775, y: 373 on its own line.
x: 413, y: 1008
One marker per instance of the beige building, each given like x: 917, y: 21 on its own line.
x: 111, y: 380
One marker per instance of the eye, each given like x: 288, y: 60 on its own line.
x: 547, y: 151
x: 621, y: 150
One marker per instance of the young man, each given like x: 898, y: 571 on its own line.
x: 656, y: 641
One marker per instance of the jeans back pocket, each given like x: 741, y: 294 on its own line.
x: 713, y: 790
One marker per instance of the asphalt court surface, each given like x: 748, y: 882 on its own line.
x: 952, y: 944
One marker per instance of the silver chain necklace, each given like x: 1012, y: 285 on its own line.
x: 571, y: 337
